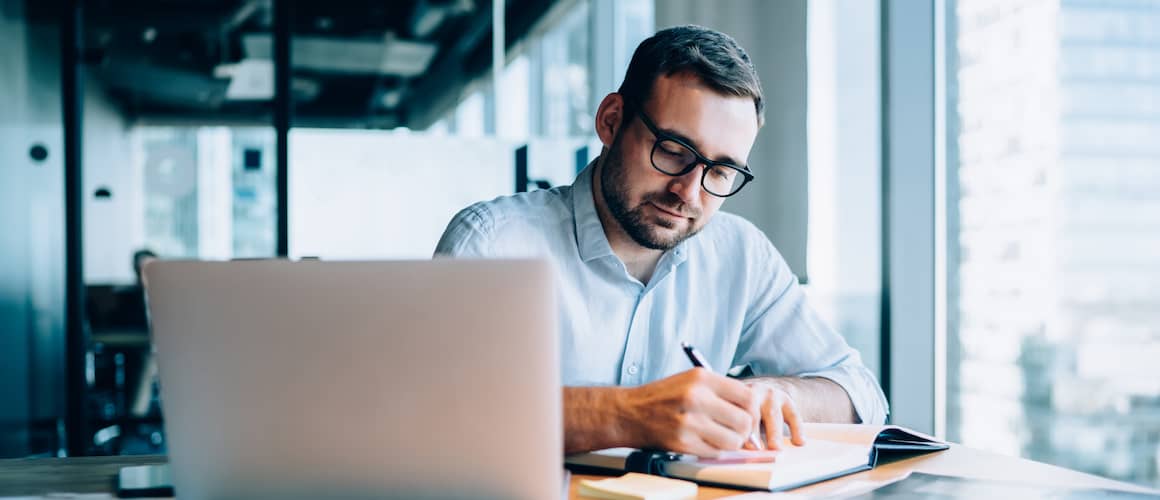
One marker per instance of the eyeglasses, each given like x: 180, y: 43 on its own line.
x: 671, y: 156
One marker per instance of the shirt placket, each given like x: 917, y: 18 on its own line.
x: 633, y: 367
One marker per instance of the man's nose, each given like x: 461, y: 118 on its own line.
x: 688, y: 186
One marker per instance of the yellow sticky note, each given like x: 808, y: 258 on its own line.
x: 634, y: 486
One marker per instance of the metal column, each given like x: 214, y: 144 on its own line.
x: 76, y: 334
x: 283, y: 104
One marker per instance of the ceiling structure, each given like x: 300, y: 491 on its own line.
x: 356, y: 63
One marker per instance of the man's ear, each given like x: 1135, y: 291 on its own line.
x: 609, y: 117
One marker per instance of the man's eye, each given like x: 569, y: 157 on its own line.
x: 722, y: 172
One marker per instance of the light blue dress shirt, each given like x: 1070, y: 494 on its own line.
x: 726, y: 290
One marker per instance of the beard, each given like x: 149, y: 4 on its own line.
x: 646, y: 230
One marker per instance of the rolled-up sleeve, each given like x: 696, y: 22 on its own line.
x: 468, y: 234
x: 784, y: 336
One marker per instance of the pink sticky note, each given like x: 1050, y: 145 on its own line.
x: 741, y: 457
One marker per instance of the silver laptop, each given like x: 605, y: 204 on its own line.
x: 424, y: 379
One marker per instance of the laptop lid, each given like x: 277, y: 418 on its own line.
x: 420, y: 379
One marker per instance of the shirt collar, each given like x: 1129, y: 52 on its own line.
x: 590, y: 237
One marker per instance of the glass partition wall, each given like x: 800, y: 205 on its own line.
x: 241, y: 129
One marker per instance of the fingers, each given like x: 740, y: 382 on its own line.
x: 696, y: 445
x: 739, y: 420
x: 736, y: 392
x: 793, y: 418
x: 779, y: 412
x: 731, y: 410
x: 718, y: 414
x: 772, y: 419
x: 739, y: 395
x: 719, y: 437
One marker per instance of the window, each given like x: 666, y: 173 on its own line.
x: 1054, y: 232
x: 207, y: 192
x: 564, y: 53
x: 844, y: 241
x: 390, y: 209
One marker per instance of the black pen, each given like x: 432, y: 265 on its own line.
x: 699, y: 361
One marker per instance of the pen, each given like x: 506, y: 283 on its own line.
x: 698, y: 360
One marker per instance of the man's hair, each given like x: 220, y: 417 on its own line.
x: 713, y: 57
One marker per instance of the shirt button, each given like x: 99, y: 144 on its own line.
x: 632, y: 369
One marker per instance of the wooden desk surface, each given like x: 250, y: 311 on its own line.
x: 95, y: 475
x: 957, y: 461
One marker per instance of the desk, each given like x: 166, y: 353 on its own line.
x: 95, y: 475
x: 957, y: 461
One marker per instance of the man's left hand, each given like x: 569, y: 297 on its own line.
x: 778, y: 410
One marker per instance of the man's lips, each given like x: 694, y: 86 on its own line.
x: 669, y: 212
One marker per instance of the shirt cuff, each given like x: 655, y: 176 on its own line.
x: 862, y: 388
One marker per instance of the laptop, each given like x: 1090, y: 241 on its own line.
x: 419, y: 379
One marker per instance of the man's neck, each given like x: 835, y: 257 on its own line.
x: 641, y: 262
x: 641, y: 267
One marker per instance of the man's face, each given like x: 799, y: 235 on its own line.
x: 656, y: 210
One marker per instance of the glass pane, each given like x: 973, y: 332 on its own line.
x: 406, y: 129
x: 178, y: 162
x: 844, y: 241
x: 399, y: 133
x: 1054, y: 255
x: 208, y: 191
x: 565, y: 74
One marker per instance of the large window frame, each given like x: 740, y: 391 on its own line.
x: 914, y: 213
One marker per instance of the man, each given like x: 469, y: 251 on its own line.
x: 644, y: 262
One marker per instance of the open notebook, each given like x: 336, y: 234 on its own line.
x: 831, y: 450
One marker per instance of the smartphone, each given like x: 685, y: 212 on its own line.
x: 141, y: 481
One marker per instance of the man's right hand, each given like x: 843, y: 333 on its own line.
x: 696, y: 412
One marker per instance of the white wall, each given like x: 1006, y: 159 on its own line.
x: 363, y: 194
x: 774, y: 35
x: 114, y: 227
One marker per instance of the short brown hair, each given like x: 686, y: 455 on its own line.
x: 713, y: 57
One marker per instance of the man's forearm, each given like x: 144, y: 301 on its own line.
x: 816, y: 399
x: 594, y: 419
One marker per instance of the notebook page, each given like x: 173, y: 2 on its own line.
x: 794, y: 464
x: 864, y: 434
x: 844, y: 433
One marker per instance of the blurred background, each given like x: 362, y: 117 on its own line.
x: 968, y: 189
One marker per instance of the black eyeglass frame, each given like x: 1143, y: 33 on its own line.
x: 698, y: 158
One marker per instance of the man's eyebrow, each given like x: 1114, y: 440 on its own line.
x: 691, y: 143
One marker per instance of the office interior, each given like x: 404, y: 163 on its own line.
x: 967, y: 189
